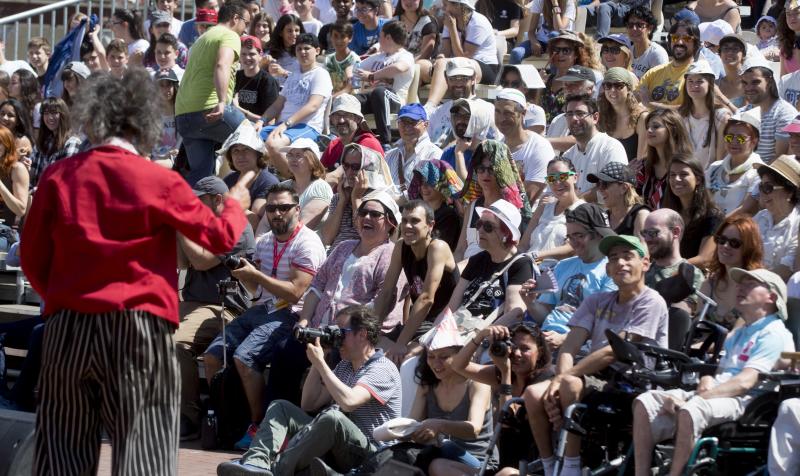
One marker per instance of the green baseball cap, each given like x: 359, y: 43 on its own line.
x: 627, y: 240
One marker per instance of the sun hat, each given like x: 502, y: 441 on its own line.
x: 773, y: 282
x: 506, y: 213
x: 246, y: 135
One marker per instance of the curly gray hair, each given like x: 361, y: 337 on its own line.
x: 107, y: 107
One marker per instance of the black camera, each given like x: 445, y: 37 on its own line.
x: 502, y: 348
x: 329, y: 336
x: 233, y: 262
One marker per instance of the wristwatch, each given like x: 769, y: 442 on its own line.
x: 288, y: 123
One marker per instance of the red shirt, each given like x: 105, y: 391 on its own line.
x: 335, y: 149
x: 100, y: 234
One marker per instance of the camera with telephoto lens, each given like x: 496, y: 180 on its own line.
x: 502, y: 348
x: 329, y: 336
x: 233, y: 262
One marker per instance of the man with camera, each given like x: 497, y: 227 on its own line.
x: 361, y: 393
x: 200, y: 308
x: 288, y: 257
x: 634, y: 310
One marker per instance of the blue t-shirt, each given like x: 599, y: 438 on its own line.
x: 757, y: 346
x: 576, y: 280
x: 261, y: 184
x: 188, y: 34
x: 449, y: 156
x: 363, y: 39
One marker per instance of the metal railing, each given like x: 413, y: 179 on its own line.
x: 52, y: 21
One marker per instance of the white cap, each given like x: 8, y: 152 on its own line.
x: 382, y: 197
x: 755, y: 61
x: 700, y: 66
x: 505, y: 212
x: 469, y: 3
x: 712, y: 32
x: 347, y: 103
x: 529, y: 74
x: 303, y: 143
x: 514, y: 95
x: 446, y: 333
x: 246, y: 135
x: 750, y: 116
x: 459, y: 67
x: 78, y: 68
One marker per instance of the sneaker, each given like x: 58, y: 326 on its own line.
x: 247, y: 439
x: 320, y: 468
x: 237, y: 468
x: 189, y: 430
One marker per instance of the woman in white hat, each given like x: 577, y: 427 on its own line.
x: 703, y: 113
x: 308, y: 179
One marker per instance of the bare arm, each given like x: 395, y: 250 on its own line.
x: 348, y: 398
x: 315, y: 395
x: 291, y: 290
x: 512, y: 31
x: 222, y: 73
x: 199, y: 258
x: 736, y: 386
x: 312, y: 213
x: 382, y: 304
x: 427, y: 43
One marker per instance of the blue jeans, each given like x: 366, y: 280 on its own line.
x: 201, y: 139
x: 605, y: 13
x: 522, y: 51
x: 453, y: 451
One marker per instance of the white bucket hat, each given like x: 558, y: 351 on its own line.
x: 246, y: 135
x: 505, y: 212
x: 347, y: 103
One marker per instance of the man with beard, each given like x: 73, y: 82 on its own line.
x: 761, y: 91
x: 593, y: 149
x: 288, y: 258
x: 663, y: 85
x: 578, y: 80
x: 529, y: 150
x: 414, y: 146
x: 348, y: 123
x: 461, y: 85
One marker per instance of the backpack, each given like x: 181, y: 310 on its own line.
x: 231, y: 411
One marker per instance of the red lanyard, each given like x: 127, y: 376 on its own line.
x: 276, y: 256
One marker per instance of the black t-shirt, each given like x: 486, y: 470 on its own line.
x: 504, y: 12
x: 448, y: 225
x: 256, y: 94
x: 201, y: 286
x: 261, y: 184
x: 416, y: 270
x: 480, y: 268
x: 696, y: 231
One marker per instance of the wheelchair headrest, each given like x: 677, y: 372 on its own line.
x: 678, y: 287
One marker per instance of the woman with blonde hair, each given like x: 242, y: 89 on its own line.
x: 308, y: 179
x: 626, y: 212
x: 622, y: 116
x: 566, y: 50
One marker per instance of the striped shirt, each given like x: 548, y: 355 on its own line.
x: 772, y: 121
x: 304, y: 252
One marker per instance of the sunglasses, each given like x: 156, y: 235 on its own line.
x: 486, y: 226
x: 353, y: 167
x: 731, y: 242
x: 617, y: 86
x: 602, y: 185
x: 684, y: 38
x: 562, y: 50
x: 371, y: 213
x: 559, y: 177
x: 650, y: 233
x: 283, y: 207
x: 768, y: 188
x: 614, y: 50
x: 511, y: 84
x: 483, y: 169
x: 739, y: 138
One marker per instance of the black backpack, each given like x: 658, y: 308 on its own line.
x: 231, y: 411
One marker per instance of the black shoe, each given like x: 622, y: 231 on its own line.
x: 236, y: 468
x: 189, y: 430
x: 319, y: 468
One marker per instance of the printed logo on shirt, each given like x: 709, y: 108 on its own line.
x: 247, y: 97
x: 791, y: 96
x: 744, y: 356
x: 503, y: 14
x: 669, y: 90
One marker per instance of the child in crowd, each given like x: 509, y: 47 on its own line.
x: 166, y: 55
x: 340, y: 63
x: 261, y: 27
x: 344, y: 11
x: 767, y: 31
x: 160, y: 26
x: 368, y: 27
x: 167, y: 148
x: 255, y: 89
x: 305, y: 10
x: 39, y: 56
x: 205, y: 19
x: 117, y: 57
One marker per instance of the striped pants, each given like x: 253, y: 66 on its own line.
x: 115, y: 372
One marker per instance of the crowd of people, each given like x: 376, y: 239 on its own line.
x: 609, y: 171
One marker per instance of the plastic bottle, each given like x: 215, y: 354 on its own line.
x: 356, y: 80
x: 208, y: 431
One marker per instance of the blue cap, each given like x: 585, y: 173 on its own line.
x: 688, y: 15
x: 413, y: 111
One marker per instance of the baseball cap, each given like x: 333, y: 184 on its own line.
x: 513, y: 95
x: 78, y: 68
x: 750, y: 116
x: 578, y: 73
x: 459, y: 67
x: 619, y: 75
x: 347, y: 103
x: 632, y: 242
x: 211, y: 185
x: 613, y: 172
x: 773, y: 282
x: 255, y: 42
x: 592, y: 217
x: 735, y: 38
x: 713, y: 32
x: 793, y: 127
x: 506, y: 213
x: 158, y: 17
x: 413, y: 111
x: 619, y: 38
x: 206, y: 16
x: 700, y: 66
x: 303, y: 143
x: 166, y: 75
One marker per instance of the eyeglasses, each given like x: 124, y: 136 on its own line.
x: 562, y: 50
x: 559, y: 177
x: 768, y: 188
x: 486, y: 226
x: 651, y: 233
x: 739, y: 138
x: 484, y: 169
x: 576, y: 114
x: 614, y: 50
x: 792, y: 12
x: 458, y: 79
x: 364, y: 9
x: 733, y: 243
x: 371, y: 213
x: 577, y: 236
x: 511, y: 84
x: 282, y: 207
x: 353, y: 167
x: 637, y: 25
x: 677, y: 38
x: 617, y: 86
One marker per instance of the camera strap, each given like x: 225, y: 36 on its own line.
x: 277, y: 255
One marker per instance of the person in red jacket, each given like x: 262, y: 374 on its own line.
x: 100, y: 248
x: 349, y: 126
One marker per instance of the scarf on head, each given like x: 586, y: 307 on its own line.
x: 437, y: 174
x: 374, y: 167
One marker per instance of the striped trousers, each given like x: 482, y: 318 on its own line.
x: 115, y: 372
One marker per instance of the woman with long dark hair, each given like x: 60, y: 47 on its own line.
x: 788, y: 29
x: 128, y: 25
x: 622, y: 116
x: 423, y: 31
x: 687, y: 194
x: 703, y: 113
x: 281, y: 59
x: 15, y: 118
x: 72, y: 76
x: 24, y: 87
x: 56, y: 139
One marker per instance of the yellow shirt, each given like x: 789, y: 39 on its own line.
x: 197, y: 91
x: 665, y: 83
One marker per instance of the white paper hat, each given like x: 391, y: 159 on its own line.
x: 395, y: 428
x: 303, y: 143
x: 446, y: 334
x: 246, y: 135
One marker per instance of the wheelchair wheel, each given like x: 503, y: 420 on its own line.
x: 706, y: 467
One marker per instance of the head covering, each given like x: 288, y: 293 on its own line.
x: 773, y: 282
x: 481, y: 117
x: 766, y: 18
x: 592, y: 217
x: 388, y: 203
x: 753, y: 61
x: 469, y: 3
x: 620, y: 39
x: 304, y: 143
x: 750, y: 116
x: 166, y: 75
x: 413, y: 111
x: 619, y: 75
x: 631, y: 242
x: 567, y: 35
x: 347, y: 103
x: 529, y: 74
x: 245, y: 134
x: 445, y: 334
x: 206, y: 16
x: 374, y: 166
x: 513, y: 95
x: 713, y: 32
x: 211, y: 185
x: 687, y: 15
x: 506, y: 173
x: 459, y: 66
x: 793, y: 127
x: 785, y: 166
x: 253, y: 40
x: 158, y: 17
x: 700, y: 66
x: 506, y: 213
x: 78, y: 68
x: 437, y: 174
x: 613, y: 172
x: 578, y: 73
x: 736, y: 38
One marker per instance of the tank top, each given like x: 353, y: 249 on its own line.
x: 631, y: 145
x: 475, y: 447
x: 416, y: 270
x: 5, y: 213
x: 626, y: 226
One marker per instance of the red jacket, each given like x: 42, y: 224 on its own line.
x: 335, y: 149
x: 100, y: 234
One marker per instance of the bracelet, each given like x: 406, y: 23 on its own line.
x: 505, y: 389
x: 477, y: 344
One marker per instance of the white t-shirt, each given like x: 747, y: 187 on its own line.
x: 299, y: 88
x: 601, y: 150
x: 726, y: 194
x: 326, y: 12
x: 789, y: 87
x: 780, y: 239
x: 535, y: 116
x: 558, y: 127
x: 542, y: 32
x: 400, y: 82
x: 138, y: 46
x: 480, y: 33
x: 532, y: 158
x: 312, y: 26
x: 653, y: 56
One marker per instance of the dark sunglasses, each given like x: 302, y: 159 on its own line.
x: 614, y: 50
x: 353, y: 167
x: 563, y: 50
x: 602, y: 185
x: 480, y: 169
x: 283, y: 207
x: 372, y: 213
x: 488, y: 227
x: 731, y: 242
x: 767, y: 188
x: 610, y: 86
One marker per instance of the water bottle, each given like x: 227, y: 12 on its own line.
x: 208, y: 431
x: 356, y: 80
